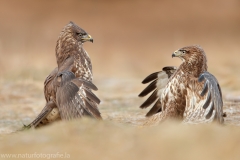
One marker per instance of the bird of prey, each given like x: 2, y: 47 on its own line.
x: 68, y: 88
x: 188, y: 92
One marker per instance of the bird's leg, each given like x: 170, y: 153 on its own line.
x: 46, y: 110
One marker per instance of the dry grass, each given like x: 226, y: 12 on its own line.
x: 89, y: 139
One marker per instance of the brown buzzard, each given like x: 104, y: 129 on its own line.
x: 188, y: 93
x: 68, y: 88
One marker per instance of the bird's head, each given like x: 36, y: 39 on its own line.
x: 71, y: 39
x: 189, y: 53
x: 75, y: 33
x: 193, y: 57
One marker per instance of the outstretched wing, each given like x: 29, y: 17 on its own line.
x: 204, y: 100
x: 75, y: 98
x: 214, y: 96
x: 158, y: 82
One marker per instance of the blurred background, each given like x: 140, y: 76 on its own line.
x: 132, y: 38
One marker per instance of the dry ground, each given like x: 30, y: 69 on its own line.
x: 131, y: 40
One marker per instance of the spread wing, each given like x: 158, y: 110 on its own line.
x: 214, y: 95
x: 158, y: 82
x: 75, y: 98
x: 204, y: 100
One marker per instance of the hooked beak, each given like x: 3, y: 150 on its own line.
x: 86, y: 38
x: 177, y: 53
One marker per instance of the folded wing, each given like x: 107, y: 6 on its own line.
x: 75, y: 98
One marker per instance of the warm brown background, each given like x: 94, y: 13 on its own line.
x: 131, y: 40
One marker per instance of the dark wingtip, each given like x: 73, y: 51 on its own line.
x: 167, y: 68
x: 93, y: 111
x: 94, y: 87
x: 201, y: 78
x: 150, y: 78
x: 141, y: 94
x: 155, y: 109
x: 207, y: 101
x: 205, y: 89
x: 90, y: 85
x: 92, y: 96
x: 150, y: 100
x: 210, y: 111
x: 148, y: 89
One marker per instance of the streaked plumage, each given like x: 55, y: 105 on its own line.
x: 68, y: 88
x: 188, y: 93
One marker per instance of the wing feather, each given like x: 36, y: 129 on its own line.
x: 155, y: 109
x: 210, y: 111
x: 205, y: 89
x: 81, y: 82
x: 204, y: 100
x: 208, y: 100
x: 158, y: 82
x: 151, y: 77
x: 91, y: 108
x: 152, y: 86
x: 92, y: 96
x: 216, y: 94
x: 150, y: 100
x: 74, y: 97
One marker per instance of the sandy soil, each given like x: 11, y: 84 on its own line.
x: 131, y: 40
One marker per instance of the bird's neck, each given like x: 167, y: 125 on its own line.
x: 65, y: 47
x: 81, y: 66
x: 194, y: 68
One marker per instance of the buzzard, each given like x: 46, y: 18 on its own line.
x: 68, y: 88
x: 188, y: 92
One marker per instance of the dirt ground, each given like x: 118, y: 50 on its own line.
x: 131, y: 40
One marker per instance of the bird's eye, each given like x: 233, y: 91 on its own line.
x: 183, y: 51
x: 79, y: 34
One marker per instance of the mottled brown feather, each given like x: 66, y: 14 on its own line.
x: 72, y: 76
x: 192, y: 94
